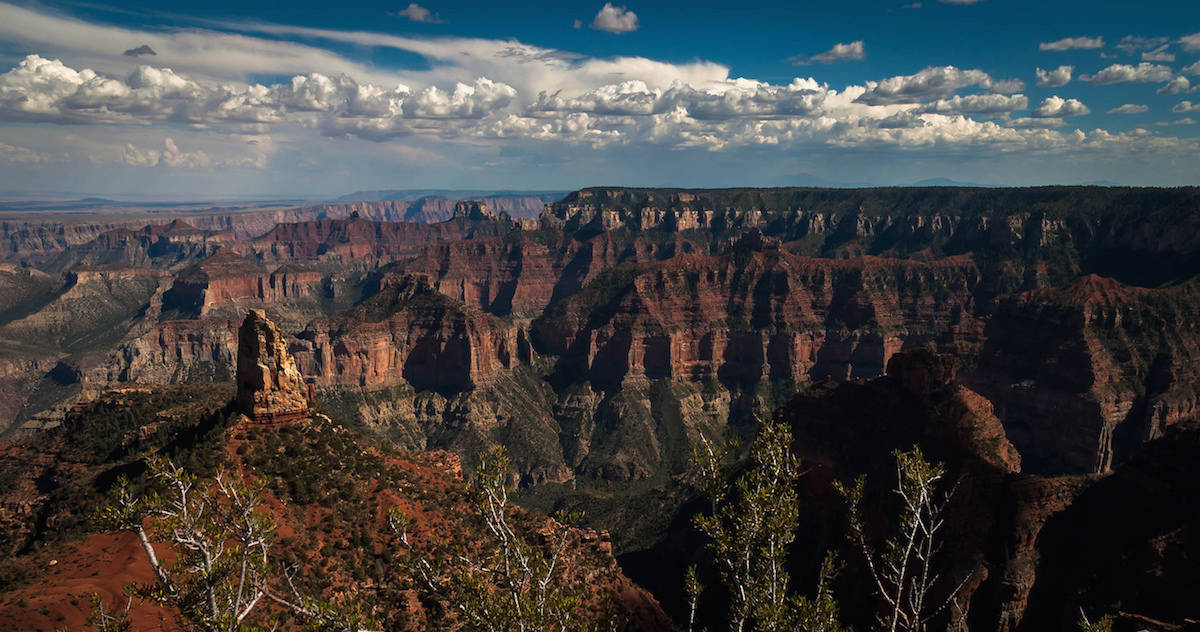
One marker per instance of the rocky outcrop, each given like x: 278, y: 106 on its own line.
x: 326, y: 487
x: 269, y: 388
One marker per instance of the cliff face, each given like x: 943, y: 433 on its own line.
x: 758, y: 314
x: 173, y: 352
x: 1141, y: 236
x: 92, y: 306
x: 362, y: 244
x: 1116, y: 365
x: 408, y: 332
x: 225, y: 279
x: 42, y: 243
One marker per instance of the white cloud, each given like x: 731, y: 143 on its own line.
x: 169, y: 156
x: 1006, y: 86
x: 1191, y: 42
x: 1182, y: 121
x: 1036, y: 123
x: 1129, y: 108
x: 1123, y: 73
x: 930, y: 83
x: 978, y: 104
x: 1056, y: 78
x: 615, y: 19
x: 1058, y: 107
x: 48, y: 90
x: 1159, y: 54
x: 479, y: 95
x: 854, y: 51
x: 418, y: 13
x: 1194, y: 69
x: 1073, y: 43
x: 736, y: 98
x: 1178, y: 85
x: 1131, y: 44
x: 13, y: 154
x: 1186, y: 106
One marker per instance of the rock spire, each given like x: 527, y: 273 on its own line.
x: 269, y: 388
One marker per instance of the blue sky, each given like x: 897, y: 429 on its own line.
x: 316, y: 99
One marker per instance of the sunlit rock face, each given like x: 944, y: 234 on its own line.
x: 269, y: 388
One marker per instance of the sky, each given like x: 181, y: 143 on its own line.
x: 223, y: 99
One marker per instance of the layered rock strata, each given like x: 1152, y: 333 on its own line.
x: 269, y: 388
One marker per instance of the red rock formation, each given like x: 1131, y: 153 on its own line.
x: 758, y: 314
x: 505, y: 275
x: 269, y: 388
x: 172, y: 352
x: 227, y: 278
x: 362, y: 244
x: 411, y: 333
x: 1115, y: 366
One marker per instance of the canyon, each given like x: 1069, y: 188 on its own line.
x: 1051, y: 330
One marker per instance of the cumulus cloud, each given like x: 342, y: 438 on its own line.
x: 1191, y: 42
x: 169, y: 156
x: 978, y: 104
x: 1035, y: 123
x: 1182, y: 121
x: 418, y: 13
x: 615, y: 19
x: 1194, y: 69
x: 486, y: 94
x: 1186, y: 106
x: 1144, y: 72
x: 930, y: 83
x: 1129, y: 108
x: 1056, y: 78
x: 1058, y: 107
x: 854, y: 51
x: 42, y: 89
x: 1073, y: 43
x: 738, y: 98
x: 12, y: 154
x: 1178, y: 85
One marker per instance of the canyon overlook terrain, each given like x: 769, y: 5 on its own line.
x: 1042, y: 341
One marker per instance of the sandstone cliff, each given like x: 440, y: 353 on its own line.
x: 358, y: 243
x: 1115, y: 366
x: 408, y: 332
x: 227, y: 280
x: 760, y: 313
